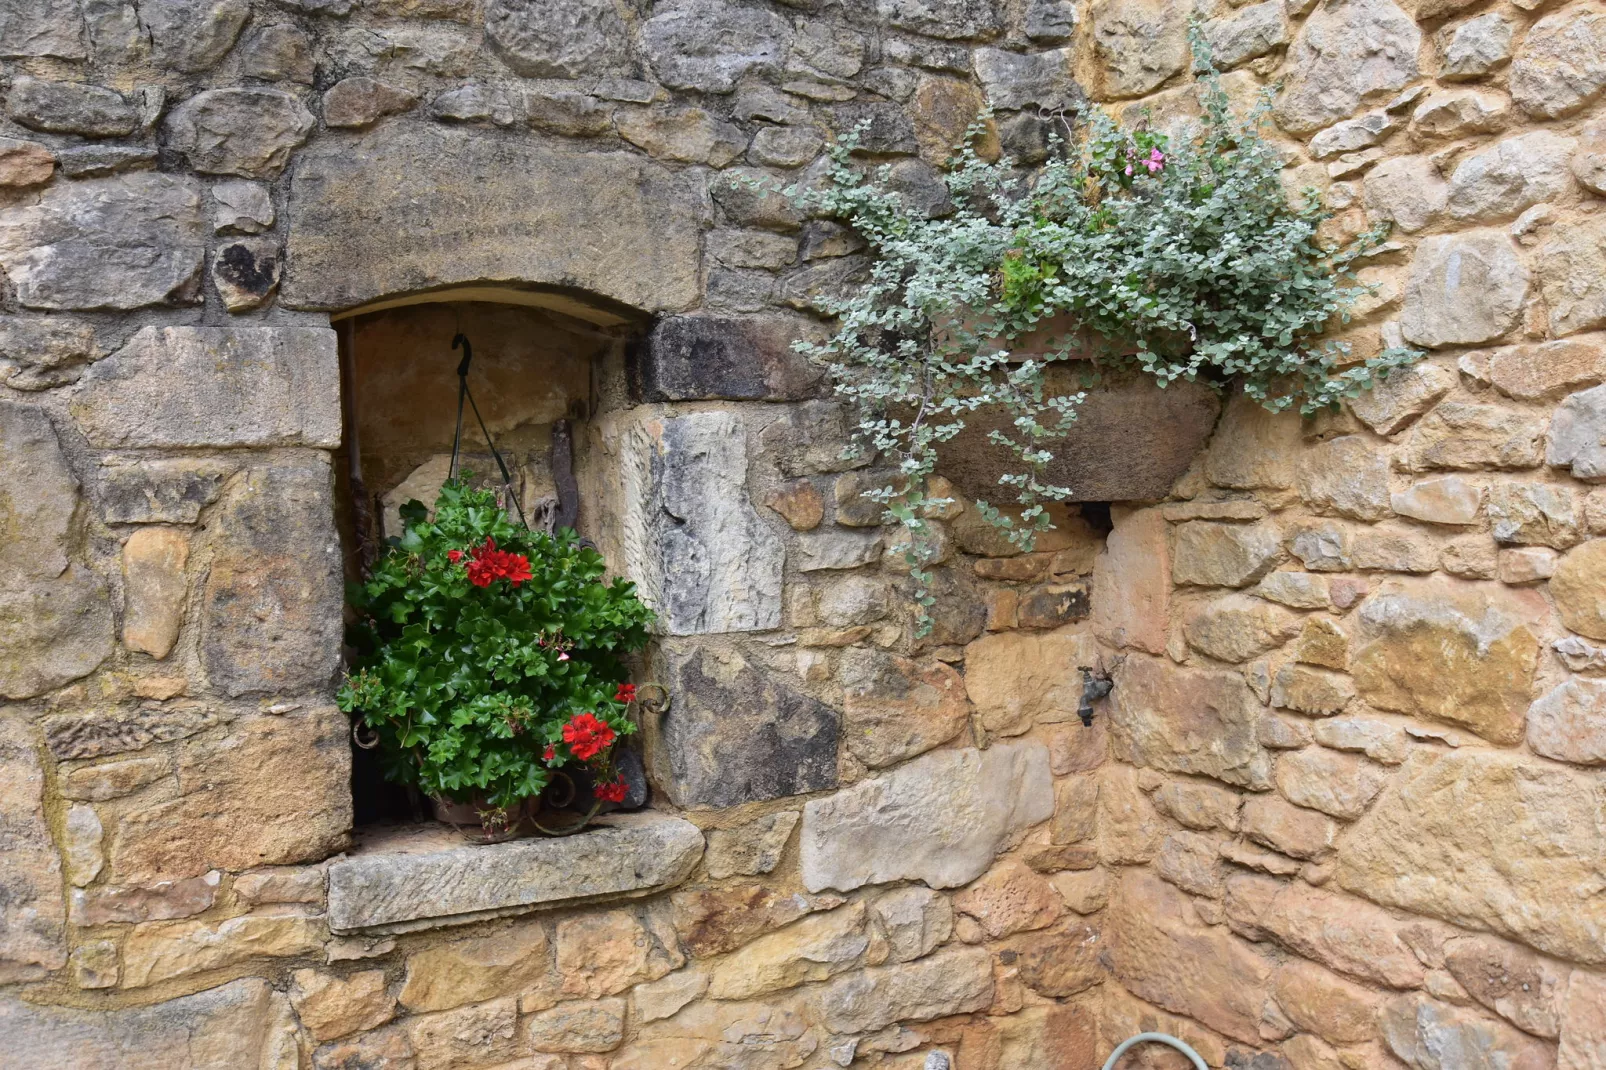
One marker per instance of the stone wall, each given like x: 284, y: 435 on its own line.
x: 1343, y: 808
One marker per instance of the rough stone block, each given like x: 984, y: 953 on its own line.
x: 1561, y: 65
x: 1188, y: 721
x: 738, y: 734
x: 629, y: 227
x: 1571, y: 269
x: 118, y: 243
x: 955, y: 981
x: 214, y: 386
x: 1464, y: 289
x: 243, y: 1025
x: 894, y: 708
x: 1132, y: 583
x: 568, y: 39
x: 32, y: 935
x: 440, y: 881
x: 275, y: 790
x: 1344, y: 56
x: 47, y: 28
x: 707, y: 358
x: 1489, y: 840
x: 939, y: 819
x: 1429, y: 1035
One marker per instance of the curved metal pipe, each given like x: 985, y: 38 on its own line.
x: 1156, y: 1038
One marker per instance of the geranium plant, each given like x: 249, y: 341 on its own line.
x: 1182, y: 258
x: 488, y: 655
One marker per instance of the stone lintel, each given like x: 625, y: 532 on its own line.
x: 404, y: 880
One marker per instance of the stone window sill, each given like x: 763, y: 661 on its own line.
x: 402, y: 879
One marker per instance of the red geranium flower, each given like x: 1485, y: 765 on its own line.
x: 586, y: 736
x: 625, y: 694
x: 454, y: 556
x: 487, y: 564
x: 550, y: 753
x: 612, y: 792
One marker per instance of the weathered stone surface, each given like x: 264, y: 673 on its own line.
x: 1136, y: 47
x: 1534, y: 514
x: 1160, y: 950
x: 273, y: 791
x: 1346, y: 55
x: 838, y: 550
x: 1409, y: 192
x: 81, y: 844
x: 98, y: 733
x: 1224, y: 555
x: 1460, y: 113
x: 1568, y: 722
x: 914, y: 920
x: 1511, y: 175
x: 1198, y: 805
x: 272, y: 600
x: 1352, y: 135
x: 601, y: 953
x: 1464, y: 289
x: 894, y: 708
x: 939, y: 819
x: 1323, y: 1003
x: 1406, y: 394
x: 625, y: 853
x: 1473, y: 48
x: 1490, y: 840
x: 757, y: 1034
x: 1429, y: 1035
x: 1583, y: 1034
x: 1576, y: 434
x: 159, y: 950
x: 1341, y: 785
x: 39, y: 496
x: 1524, y: 988
x: 516, y: 959
x: 70, y: 108
x: 1132, y: 583
x: 42, y: 353
x: 1010, y: 898
x: 122, y: 242
x: 1455, y: 653
x: 815, y: 948
x: 1544, y: 372
x: 162, y: 901
x: 709, y: 44
x: 752, y: 848
x: 1571, y: 265
x: 1463, y: 435
x: 387, y: 1046
x: 25, y: 163
x: 1347, y: 476
x: 952, y: 19
x: 706, y: 358
x: 1344, y: 934
x: 1237, y: 627
x: 154, y: 586
x: 800, y: 504
x: 736, y: 734
x: 242, y: 206
x: 1252, y: 448
x: 1310, y: 691
x: 1188, y: 721
x: 32, y: 936
x: 663, y: 998
x: 331, y: 1006
x: 557, y: 40
x: 1192, y: 862
x: 110, y: 780
x: 1576, y: 589
x: 1447, y: 500
x: 951, y: 982
x: 246, y: 272
x: 1561, y: 65
x: 52, y: 630
x: 246, y: 132
x: 1296, y: 832
x: 1017, y: 679
x: 1015, y: 80
x: 361, y: 101
x: 1247, y: 33
x: 278, y: 53
x: 711, y: 921
x: 47, y: 28
x: 630, y: 211
x: 578, y: 1027
x: 249, y: 386
x: 687, y: 135
x: 483, y: 1034
x: 157, y: 491
x: 1296, y: 590
x: 192, y: 35
x: 1057, y: 962
x: 243, y: 1025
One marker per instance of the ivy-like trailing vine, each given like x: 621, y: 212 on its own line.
x: 1182, y: 257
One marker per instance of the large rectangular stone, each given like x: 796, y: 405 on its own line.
x: 1183, y: 720
x: 738, y: 734
x: 411, y: 207
x: 243, y: 1025
x: 941, y: 818
x: 429, y: 879
x: 735, y: 358
x: 32, y: 938
x: 214, y: 386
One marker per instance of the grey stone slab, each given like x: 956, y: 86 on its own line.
x: 243, y: 1025
x: 736, y: 358
x: 32, y: 936
x: 461, y: 205
x: 214, y: 386
x: 122, y: 242
x: 431, y: 879
x: 737, y: 734
x: 941, y: 818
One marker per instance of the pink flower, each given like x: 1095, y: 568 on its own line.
x: 563, y: 655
